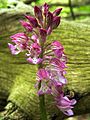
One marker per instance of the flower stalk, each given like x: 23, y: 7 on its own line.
x: 43, y: 114
x: 42, y: 107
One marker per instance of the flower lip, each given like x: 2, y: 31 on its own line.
x: 34, y: 60
x: 13, y: 49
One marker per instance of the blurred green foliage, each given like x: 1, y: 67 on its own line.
x: 83, y: 9
x: 3, y: 3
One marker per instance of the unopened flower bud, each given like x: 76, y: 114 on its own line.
x: 57, y: 12
x: 49, y: 19
x: 32, y: 21
x: 56, y: 22
x: 46, y: 9
x: 38, y: 13
x: 26, y: 25
x: 43, y: 34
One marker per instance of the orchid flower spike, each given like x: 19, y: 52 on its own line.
x: 49, y: 57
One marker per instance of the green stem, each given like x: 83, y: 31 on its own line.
x: 42, y: 97
x: 42, y: 107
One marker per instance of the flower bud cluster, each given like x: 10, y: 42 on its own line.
x: 49, y: 57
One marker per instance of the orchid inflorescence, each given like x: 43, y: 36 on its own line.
x: 50, y: 57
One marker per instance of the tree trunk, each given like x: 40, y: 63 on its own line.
x: 17, y: 77
x: 71, y: 9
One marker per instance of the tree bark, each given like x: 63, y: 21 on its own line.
x: 17, y: 77
x: 71, y: 9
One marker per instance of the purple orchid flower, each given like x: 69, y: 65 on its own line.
x: 21, y: 41
x: 33, y: 52
x: 64, y: 104
x: 43, y: 77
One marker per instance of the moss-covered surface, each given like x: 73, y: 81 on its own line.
x: 17, y: 77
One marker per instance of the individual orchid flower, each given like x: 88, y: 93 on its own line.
x: 33, y: 52
x: 57, y: 48
x: 21, y: 41
x: 64, y: 104
x: 34, y: 49
x: 44, y: 89
x: 56, y: 75
x: 43, y: 77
